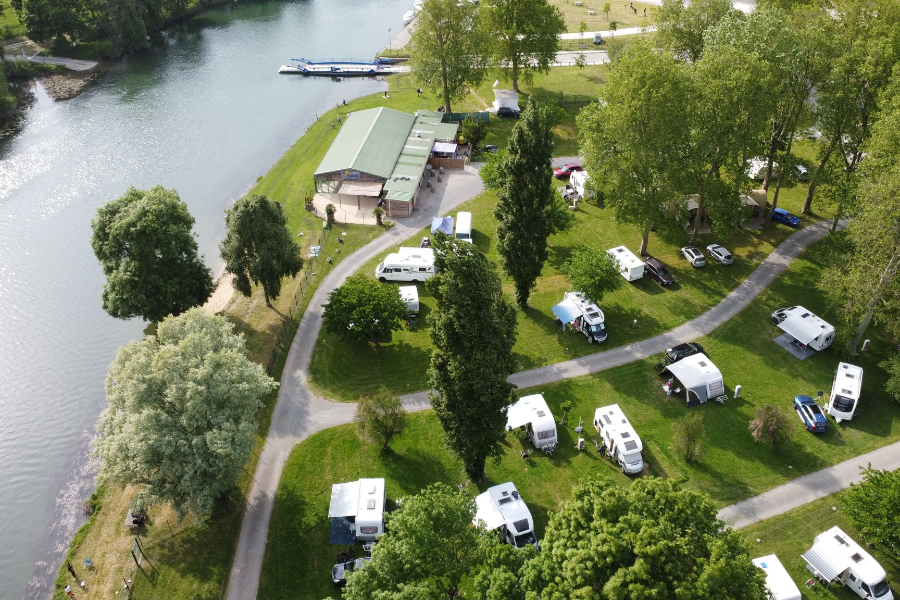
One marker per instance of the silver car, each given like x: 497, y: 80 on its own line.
x: 694, y: 256
x: 719, y: 254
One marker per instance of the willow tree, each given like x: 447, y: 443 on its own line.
x: 448, y: 50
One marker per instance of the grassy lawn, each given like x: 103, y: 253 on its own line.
x: 619, y: 11
x: 402, y: 361
x: 791, y: 534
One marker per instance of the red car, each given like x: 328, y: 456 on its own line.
x: 566, y: 170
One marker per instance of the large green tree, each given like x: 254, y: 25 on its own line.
x: 426, y: 551
x: 448, y: 51
x: 144, y: 243
x: 634, y: 137
x: 527, y: 196
x: 524, y: 36
x: 363, y: 309
x: 592, y: 272
x: 649, y: 540
x: 380, y: 417
x: 259, y: 248
x: 182, y: 413
x: 682, y: 26
x: 871, y: 507
x: 473, y: 329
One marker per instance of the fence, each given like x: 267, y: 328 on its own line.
x: 460, y: 117
x: 305, y: 277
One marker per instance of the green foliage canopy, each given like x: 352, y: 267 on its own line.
x: 182, y: 413
x: 363, y: 309
x: 871, y: 507
x: 592, y: 272
x: 473, y: 330
x: 380, y: 417
x: 771, y: 426
x: 144, y: 244
x: 259, y: 248
x: 682, y: 27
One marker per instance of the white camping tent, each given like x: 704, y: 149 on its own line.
x: 444, y: 224
x: 700, y: 377
x: 507, y: 98
x: 533, y: 413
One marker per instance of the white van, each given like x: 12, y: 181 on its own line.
x: 836, y: 557
x: 630, y: 266
x: 464, y: 226
x: 620, y: 438
x: 407, y: 264
x: 779, y: 584
x: 845, y: 392
x: 502, y: 508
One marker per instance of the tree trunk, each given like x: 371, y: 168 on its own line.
x: 645, y: 238
x: 837, y: 217
x: 777, y: 132
x: 515, y: 75
x: 886, y: 277
x: 266, y: 294
x: 807, y: 206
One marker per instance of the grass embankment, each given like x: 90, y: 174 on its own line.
x: 298, y: 558
x: 619, y: 12
x: 791, y: 534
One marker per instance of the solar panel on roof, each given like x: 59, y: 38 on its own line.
x: 631, y: 445
x: 625, y: 434
x: 607, y: 419
x: 541, y: 413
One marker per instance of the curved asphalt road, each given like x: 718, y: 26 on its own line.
x: 299, y: 413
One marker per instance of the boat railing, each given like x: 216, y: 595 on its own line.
x: 335, y: 61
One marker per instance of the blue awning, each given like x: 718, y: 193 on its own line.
x: 444, y: 224
x: 567, y: 311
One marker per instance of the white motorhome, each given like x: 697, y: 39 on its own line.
x: 410, y: 296
x: 464, y: 226
x: 532, y: 413
x: 620, y: 438
x: 361, y: 504
x: 845, y: 392
x: 779, y: 584
x: 630, y: 266
x: 584, y: 315
x: 502, y: 508
x: 836, y: 557
x: 578, y: 180
x: 407, y: 264
x: 806, y: 328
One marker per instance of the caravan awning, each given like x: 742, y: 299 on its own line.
x: 566, y: 311
x: 487, y: 510
x: 822, y: 558
x: 526, y: 410
x: 344, y: 500
x: 361, y: 188
x: 696, y: 373
x: 800, y: 329
x: 444, y: 224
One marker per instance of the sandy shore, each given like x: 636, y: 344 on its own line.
x: 219, y: 300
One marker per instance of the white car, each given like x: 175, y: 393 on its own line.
x: 719, y: 254
x: 694, y: 256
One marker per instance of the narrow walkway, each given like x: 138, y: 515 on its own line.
x: 72, y: 64
x: 810, y: 487
x: 299, y: 413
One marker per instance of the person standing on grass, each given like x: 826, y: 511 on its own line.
x: 71, y: 570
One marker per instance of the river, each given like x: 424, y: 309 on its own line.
x: 203, y: 111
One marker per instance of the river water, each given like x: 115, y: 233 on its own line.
x: 205, y: 112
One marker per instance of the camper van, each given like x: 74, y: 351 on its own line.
x: 620, y: 438
x: 464, y: 226
x: 578, y: 180
x: 502, y: 508
x: 407, y: 264
x: 361, y: 505
x: 845, y: 392
x: 806, y: 328
x: 410, y: 296
x: 779, y: 585
x: 630, y: 266
x: 532, y: 413
x: 584, y: 315
x: 836, y: 557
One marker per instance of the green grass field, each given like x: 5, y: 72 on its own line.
x: 619, y: 11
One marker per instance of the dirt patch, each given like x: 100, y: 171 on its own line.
x: 64, y: 87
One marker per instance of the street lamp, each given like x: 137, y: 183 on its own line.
x: 389, y: 40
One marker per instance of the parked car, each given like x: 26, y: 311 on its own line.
x: 340, y: 570
x: 781, y: 314
x: 505, y: 111
x: 598, y: 39
x: 756, y: 168
x: 566, y: 170
x: 801, y: 173
x: 779, y: 215
x: 658, y: 272
x: 694, y: 256
x: 673, y: 355
x: 491, y: 148
x: 812, y: 416
x: 720, y: 254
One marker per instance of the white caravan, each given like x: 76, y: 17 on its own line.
x: 464, y: 226
x: 620, y: 438
x: 805, y: 327
x: 779, y: 584
x: 410, y: 296
x: 584, y: 315
x: 578, y: 180
x: 532, y: 413
x: 630, y: 266
x: 407, y: 264
x: 502, y: 508
x: 362, y: 504
x: 836, y: 557
x: 845, y: 392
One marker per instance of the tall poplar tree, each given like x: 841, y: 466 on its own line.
x: 527, y: 196
x: 473, y: 329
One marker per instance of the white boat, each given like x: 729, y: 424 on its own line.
x: 409, y: 16
x: 338, y: 68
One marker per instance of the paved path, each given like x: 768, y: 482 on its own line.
x: 299, y: 413
x: 73, y: 64
x: 810, y: 487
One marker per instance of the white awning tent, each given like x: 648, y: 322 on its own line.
x: 444, y: 224
x: 801, y: 329
x: 699, y: 376
x: 344, y: 500
x: 487, y: 511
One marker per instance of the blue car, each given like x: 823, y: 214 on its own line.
x: 811, y: 415
x: 779, y: 215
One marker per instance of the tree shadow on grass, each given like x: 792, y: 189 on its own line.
x: 415, y: 469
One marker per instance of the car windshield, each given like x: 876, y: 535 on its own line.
x: 881, y: 588
x: 598, y: 328
x: 520, y: 541
x: 663, y: 271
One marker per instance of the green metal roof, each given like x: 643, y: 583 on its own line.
x: 369, y: 142
x: 410, y: 166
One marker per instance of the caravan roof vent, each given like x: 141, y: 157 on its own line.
x: 372, y: 490
x: 846, y: 392
x: 515, y: 494
x: 503, y: 501
x: 630, y: 445
x: 541, y: 413
x: 841, y: 540
x: 370, y: 504
x: 805, y: 315
x: 521, y: 525
x: 702, y: 363
x: 607, y: 419
x: 857, y: 557
x: 625, y: 434
x: 504, y: 493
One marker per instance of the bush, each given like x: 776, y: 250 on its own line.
x: 771, y: 426
x: 688, y: 433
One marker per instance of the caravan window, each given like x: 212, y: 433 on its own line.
x: 368, y: 530
x: 543, y: 435
x: 716, y: 386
